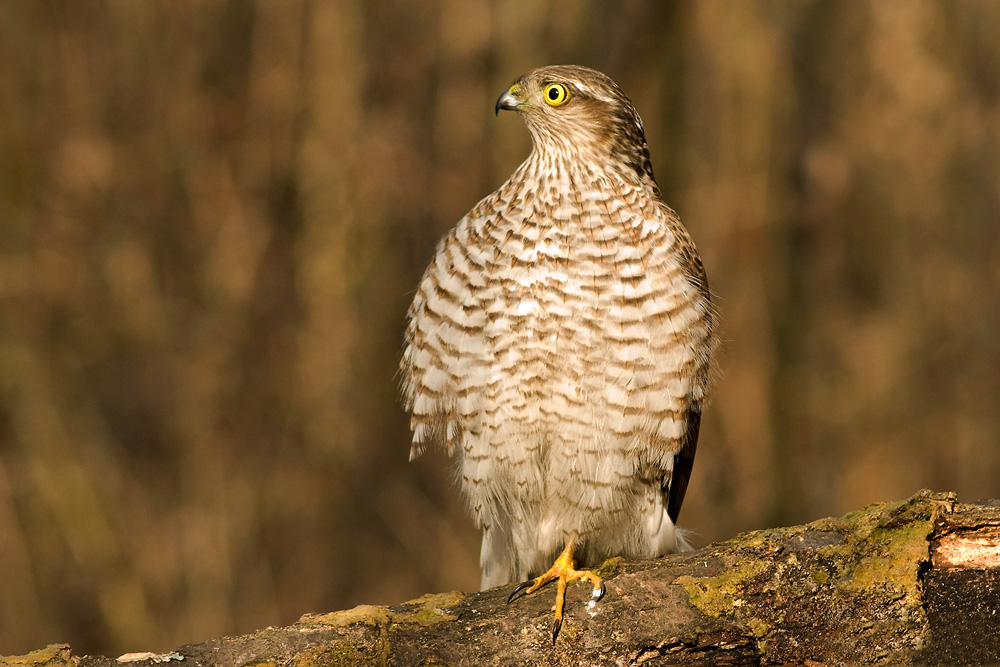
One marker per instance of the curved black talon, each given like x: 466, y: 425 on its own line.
x: 556, y: 624
x: 520, y: 587
x: 600, y: 592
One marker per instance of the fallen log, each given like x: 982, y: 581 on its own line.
x: 910, y: 582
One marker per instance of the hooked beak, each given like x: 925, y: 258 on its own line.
x: 507, y: 101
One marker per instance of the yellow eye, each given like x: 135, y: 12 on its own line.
x: 556, y: 94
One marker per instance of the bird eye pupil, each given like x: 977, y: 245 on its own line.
x: 553, y: 93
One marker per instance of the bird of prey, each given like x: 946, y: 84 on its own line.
x: 559, y: 343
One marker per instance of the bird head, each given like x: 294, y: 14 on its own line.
x: 580, y: 113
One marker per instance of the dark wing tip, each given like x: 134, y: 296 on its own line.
x: 683, y: 463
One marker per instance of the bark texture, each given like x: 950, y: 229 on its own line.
x: 910, y: 582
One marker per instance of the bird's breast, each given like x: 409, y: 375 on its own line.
x: 582, y: 303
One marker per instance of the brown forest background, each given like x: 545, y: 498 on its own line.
x: 213, y: 214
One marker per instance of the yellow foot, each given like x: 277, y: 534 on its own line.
x: 563, y: 572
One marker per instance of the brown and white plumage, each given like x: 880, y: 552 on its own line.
x: 559, y: 342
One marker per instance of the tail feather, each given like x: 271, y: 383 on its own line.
x: 497, y: 558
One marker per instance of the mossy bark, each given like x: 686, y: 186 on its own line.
x: 911, y: 582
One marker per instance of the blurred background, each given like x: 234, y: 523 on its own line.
x: 213, y: 214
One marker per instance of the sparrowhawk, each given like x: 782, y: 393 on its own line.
x: 558, y: 345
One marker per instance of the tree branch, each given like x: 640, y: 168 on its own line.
x: 911, y: 582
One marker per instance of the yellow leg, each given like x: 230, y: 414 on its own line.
x: 563, y: 573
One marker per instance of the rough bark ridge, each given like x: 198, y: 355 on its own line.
x: 911, y: 582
